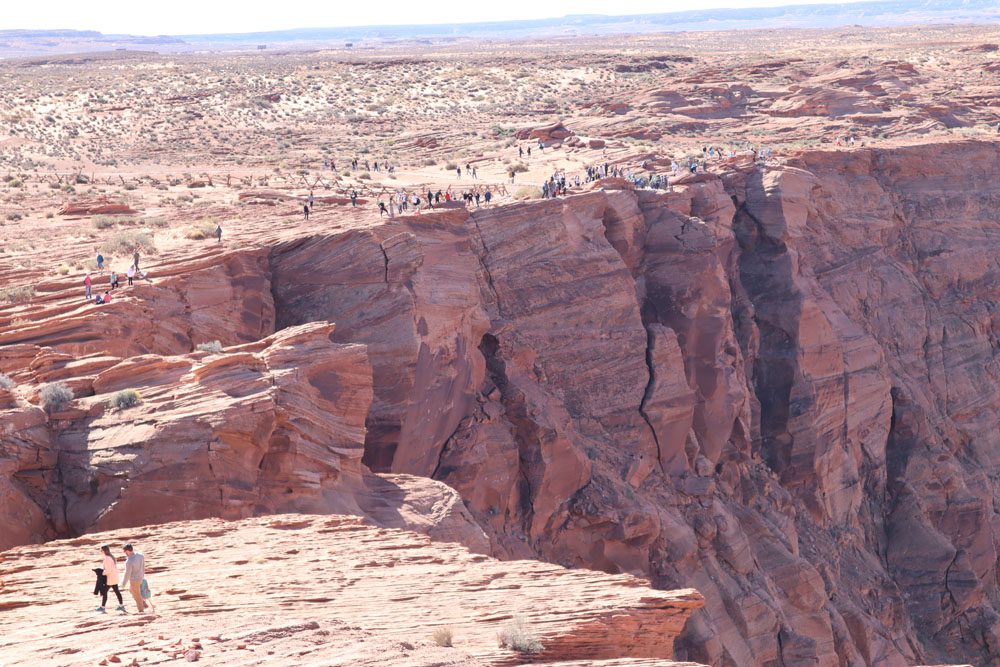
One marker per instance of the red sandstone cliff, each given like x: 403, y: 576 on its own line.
x: 778, y: 386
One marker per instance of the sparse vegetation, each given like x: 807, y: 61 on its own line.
x: 215, y: 347
x: 108, y: 221
x: 126, y: 242
x: 6, y: 382
x: 201, y: 231
x: 528, y: 192
x: 17, y: 293
x: 516, y: 636
x: 124, y: 399
x: 55, y: 396
x: 443, y: 636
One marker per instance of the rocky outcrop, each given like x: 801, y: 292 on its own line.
x: 691, y: 386
x: 237, y: 434
x: 336, y: 590
x: 98, y: 206
x: 215, y: 298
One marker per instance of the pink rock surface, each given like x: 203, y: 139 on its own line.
x: 295, y: 589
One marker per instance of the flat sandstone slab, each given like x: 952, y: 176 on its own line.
x: 307, y: 589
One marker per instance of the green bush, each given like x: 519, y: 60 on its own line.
x: 55, y: 395
x: 124, y: 399
x: 215, y: 347
x: 517, y: 637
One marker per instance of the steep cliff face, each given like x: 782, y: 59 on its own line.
x: 777, y: 386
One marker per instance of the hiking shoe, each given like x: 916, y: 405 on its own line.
x: 100, y: 609
x: 120, y: 607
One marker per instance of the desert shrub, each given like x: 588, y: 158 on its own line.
x: 516, y: 636
x: 124, y: 243
x: 17, y: 293
x: 6, y: 382
x: 63, y: 269
x: 55, y: 395
x: 519, y: 168
x: 215, y: 347
x: 126, y: 398
x: 14, y: 217
x: 104, y: 222
x: 443, y: 636
x: 201, y: 231
x: 450, y: 166
x: 528, y: 192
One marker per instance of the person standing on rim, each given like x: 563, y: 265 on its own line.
x: 135, y: 572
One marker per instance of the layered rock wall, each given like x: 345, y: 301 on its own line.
x: 778, y: 386
x: 768, y: 385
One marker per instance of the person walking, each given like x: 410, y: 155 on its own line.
x: 135, y: 574
x: 100, y: 262
x: 88, y: 285
x: 111, y: 580
x: 130, y: 274
x: 305, y: 211
x: 218, y: 233
x: 135, y: 260
x: 354, y: 198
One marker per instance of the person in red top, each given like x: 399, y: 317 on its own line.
x: 87, y: 282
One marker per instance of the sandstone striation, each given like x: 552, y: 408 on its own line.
x: 776, y: 384
x: 295, y: 589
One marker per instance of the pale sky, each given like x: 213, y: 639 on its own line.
x: 189, y: 17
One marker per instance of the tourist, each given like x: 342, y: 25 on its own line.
x: 305, y: 211
x: 100, y: 262
x: 114, y: 280
x: 88, y: 283
x: 218, y: 233
x: 135, y: 575
x: 108, y: 579
x: 130, y: 274
x: 354, y: 198
x: 135, y: 259
x: 381, y: 209
x: 312, y: 199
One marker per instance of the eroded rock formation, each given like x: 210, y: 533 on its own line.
x: 330, y: 590
x: 778, y: 386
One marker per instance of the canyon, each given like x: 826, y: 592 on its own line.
x: 775, y: 385
x: 730, y: 399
